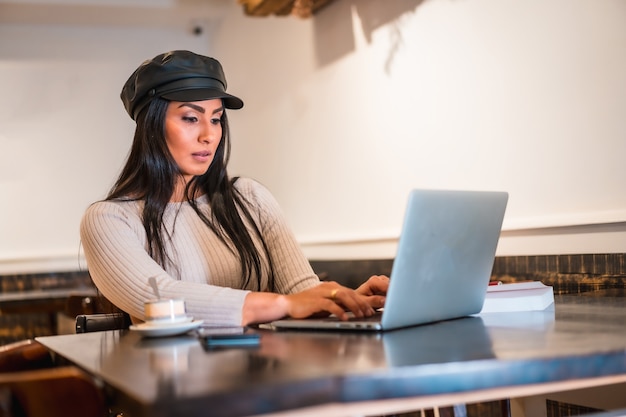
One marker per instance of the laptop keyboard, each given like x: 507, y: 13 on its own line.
x: 375, y: 318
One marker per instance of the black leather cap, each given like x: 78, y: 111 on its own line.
x: 177, y: 76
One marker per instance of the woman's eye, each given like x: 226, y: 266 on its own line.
x: 216, y: 121
x: 190, y: 119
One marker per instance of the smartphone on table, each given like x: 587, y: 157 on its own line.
x: 213, y: 338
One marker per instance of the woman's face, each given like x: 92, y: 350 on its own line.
x: 193, y: 131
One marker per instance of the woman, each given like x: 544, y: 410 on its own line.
x: 174, y: 214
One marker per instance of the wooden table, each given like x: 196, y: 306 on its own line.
x: 580, y: 343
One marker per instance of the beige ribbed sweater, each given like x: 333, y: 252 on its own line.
x: 206, y: 274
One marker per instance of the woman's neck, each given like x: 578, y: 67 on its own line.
x: 180, y: 190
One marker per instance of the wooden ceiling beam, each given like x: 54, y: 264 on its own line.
x: 300, y: 8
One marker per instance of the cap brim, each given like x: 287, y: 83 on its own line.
x: 199, y: 94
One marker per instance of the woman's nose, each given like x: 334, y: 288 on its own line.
x: 209, y: 134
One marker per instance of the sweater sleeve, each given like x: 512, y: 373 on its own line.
x: 292, y: 271
x: 114, y: 244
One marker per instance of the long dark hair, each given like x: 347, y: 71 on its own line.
x: 150, y: 175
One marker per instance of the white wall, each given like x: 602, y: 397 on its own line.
x: 347, y: 112
x: 64, y: 133
x: 344, y: 114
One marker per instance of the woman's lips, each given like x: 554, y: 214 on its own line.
x: 203, y: 156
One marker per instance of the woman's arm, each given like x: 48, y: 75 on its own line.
x: 292, y: 271
x: 303, y: 295
x: 323, y: 299
x: 115, y: 248
x: 114, y: 244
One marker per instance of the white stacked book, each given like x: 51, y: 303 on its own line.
x: 518, y: 296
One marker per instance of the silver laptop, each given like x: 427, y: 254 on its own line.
x: 443, y: 262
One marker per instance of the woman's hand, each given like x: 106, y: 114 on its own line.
x: 324, y: 299
x: 376, y: 285
x: 329, y: 298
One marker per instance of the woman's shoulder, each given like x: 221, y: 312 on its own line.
x: 125, y: 208
x: 251, y: 188
x: 257, y: 194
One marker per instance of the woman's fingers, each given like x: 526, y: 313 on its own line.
x: 376, y: 284
x: 304, y: 305
x: 352, y: 301
x: 331, y: 298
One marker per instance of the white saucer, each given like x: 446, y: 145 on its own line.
x: 186, y: 319
x: 152, y: 330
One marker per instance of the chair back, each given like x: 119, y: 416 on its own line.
x: 53, y: 392
x: 31, y: 385
x: 24, y: 355
x: 86, y: 323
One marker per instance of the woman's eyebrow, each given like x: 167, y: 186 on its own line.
x: 200, y: 108
x: 193, y: 106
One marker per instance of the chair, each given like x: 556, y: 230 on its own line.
x: 54, y: 392
x: 94, y: 314
x: 24, y: 355
x: 30, y: 385
x: 86, y: 323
